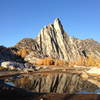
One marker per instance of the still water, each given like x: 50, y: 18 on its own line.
x: 81, y: 92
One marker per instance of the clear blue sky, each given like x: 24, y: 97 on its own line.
x: 25, y: 18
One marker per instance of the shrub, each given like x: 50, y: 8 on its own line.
x: 45, y: 61
x: 89, y: 61
x: 39, y: 62
x: 22, y: 52
x: 50, y: 61
x: 60, y: 63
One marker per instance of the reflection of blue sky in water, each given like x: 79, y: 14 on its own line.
x: 10, y: 83
x: 83, y: 92
x: 97, y: 91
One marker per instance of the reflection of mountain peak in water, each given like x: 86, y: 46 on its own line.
x: 55, y: 82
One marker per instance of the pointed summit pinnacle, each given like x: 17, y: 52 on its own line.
x: 57, y: 21
x: 57, y: 25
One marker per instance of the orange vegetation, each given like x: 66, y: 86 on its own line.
x: 22, y: 52
x: 50, y: 61
x: 45, y: 61
x: 60, y: 63
x: 89, y: 61
x: 82, y: 61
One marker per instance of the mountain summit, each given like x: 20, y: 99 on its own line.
x: 54, y: 42
x: 57, y: 25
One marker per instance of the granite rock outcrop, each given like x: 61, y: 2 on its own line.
x: 54, y: 42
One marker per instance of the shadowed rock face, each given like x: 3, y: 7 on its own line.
x: 54, y: 82
x: 7, y: 54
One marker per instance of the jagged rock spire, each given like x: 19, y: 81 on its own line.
x: 55, y: 43
x: 52, y: 41
x: 58, y: 26
x: 57, y: 22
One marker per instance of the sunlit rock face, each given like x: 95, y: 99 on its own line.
x: 88, y: 47
x: 55, y: 82
x: 55, y: 43
x: 28, y: 43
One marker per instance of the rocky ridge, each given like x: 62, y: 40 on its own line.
x: 54, y: 42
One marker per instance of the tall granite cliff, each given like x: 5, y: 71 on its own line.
x: 54, y: 42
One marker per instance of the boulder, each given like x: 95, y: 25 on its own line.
x: 12, y: 65
x: 34, y: 56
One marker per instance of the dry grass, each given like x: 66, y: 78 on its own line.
x: 82, y: 61
x: 45, y: 61
x: 60, y: 63
x: 90, y: 61
x: 50, y: 61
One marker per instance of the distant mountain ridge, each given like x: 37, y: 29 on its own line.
x: 54, y: 42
